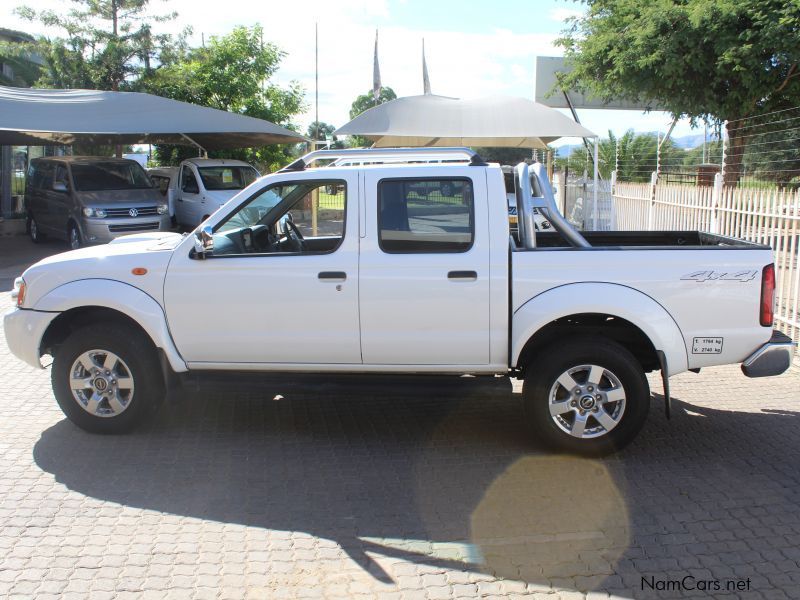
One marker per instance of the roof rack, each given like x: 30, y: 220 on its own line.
x: 466, y: 154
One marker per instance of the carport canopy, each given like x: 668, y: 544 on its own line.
x: 43, y: 117
x: 430, y: 120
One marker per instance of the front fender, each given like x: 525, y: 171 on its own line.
x: 604, y: 298
x: 122, y: 297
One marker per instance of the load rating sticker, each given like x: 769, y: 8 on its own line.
x: 707, y: 345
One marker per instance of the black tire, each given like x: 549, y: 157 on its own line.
x: 72, y: 230
x: 34, y: 232
x: 541, y: 379
x: 138, y: 356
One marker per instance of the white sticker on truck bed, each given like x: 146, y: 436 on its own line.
x: 707, y: 345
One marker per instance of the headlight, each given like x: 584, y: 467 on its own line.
x: 94, y: 212
x: 162, y: 209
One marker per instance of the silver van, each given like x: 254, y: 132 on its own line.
x: 91, y: 200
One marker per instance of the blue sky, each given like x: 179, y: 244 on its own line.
x: 473, y: 48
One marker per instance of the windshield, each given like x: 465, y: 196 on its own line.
x: 93, y: 177
x: 227, y: 178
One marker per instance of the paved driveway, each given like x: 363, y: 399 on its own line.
x: 277, y: 493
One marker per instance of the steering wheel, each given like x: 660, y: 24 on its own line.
x: 291, y: 230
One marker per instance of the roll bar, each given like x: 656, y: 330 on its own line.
x: 546, y: 204
x: 465, y: 154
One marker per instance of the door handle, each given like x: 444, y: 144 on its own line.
x: 332, y: 275
x: 463, y: 275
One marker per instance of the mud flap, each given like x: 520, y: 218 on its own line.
x: 662, y: 360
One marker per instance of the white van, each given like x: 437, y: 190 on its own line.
x: 205, y: 184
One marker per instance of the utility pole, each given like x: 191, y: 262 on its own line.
x: 316, y: 84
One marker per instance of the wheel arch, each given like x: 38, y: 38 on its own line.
x: 618, y: 312
x: 92, y: 300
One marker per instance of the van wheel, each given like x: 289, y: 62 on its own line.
x: 588, y: 395
x: 106, y: 378
x: 74, y: 237
x: 33, y: 231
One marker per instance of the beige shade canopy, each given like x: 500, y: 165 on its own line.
x: 40, y: 116
x: 431, y: 120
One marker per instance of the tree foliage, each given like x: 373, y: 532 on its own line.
x: 232, y: 73
x: 17, y: 52
x: 634, y: 155
x: 103, y: 45
x: 711, y: 60
x: 363, y: 103
x: 320, y: 131
x: 504, y: 155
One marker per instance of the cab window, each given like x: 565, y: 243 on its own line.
x: 189, y: 182
x: 300, y: 217
x: 425, y: 215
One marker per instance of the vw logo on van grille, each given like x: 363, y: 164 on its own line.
x: 133, y: 212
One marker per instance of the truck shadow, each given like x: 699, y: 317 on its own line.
x: 448, y: 480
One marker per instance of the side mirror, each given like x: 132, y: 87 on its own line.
x: 60, y: 186
x: 203, y: 241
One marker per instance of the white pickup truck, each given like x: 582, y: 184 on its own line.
x: 400, y: 269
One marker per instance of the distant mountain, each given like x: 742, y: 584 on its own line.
x: 687, y: 142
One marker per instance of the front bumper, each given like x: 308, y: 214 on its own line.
x: 102, y: 231
x: 773, y: 358
x: 24, y: 329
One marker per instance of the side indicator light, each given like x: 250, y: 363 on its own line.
x: 139, y: 271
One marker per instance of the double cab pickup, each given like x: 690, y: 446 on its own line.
x: 387, y: 263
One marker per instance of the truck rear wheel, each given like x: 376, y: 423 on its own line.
x: 106, y: 378
x: 586, y: 396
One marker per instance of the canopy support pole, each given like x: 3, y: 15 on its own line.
x: 596, y: 182
x: 199, y: 147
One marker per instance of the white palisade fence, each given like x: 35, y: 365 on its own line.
x: 768, y: 216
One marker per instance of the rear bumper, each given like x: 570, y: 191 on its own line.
x: 773, y: 358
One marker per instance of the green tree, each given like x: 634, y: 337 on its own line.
x: 232, y: 73
x: 16, y: 52
x: 363, y: 103
x: 321, y: 131
x: 504, y: 155
x: 711, y: 60
x: 713, y: 154
x: 105, y: 44
x: 634, y: 155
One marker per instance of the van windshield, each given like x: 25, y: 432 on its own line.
x: 96, y: 176
x: 227, y: 178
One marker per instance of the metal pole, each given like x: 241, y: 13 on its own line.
x: 596, y: 181
x: 6, y: 175
x: 316, y: 83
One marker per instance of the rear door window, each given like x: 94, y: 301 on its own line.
x: 425, y: 215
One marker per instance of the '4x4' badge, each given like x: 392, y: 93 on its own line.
x: 720, y: 276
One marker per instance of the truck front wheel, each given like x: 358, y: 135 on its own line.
x: 588, y: 395
x: 106, y: 378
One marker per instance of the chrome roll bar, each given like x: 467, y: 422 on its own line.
x: 546, y: 205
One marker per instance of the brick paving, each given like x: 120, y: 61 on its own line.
x: 396, y: 494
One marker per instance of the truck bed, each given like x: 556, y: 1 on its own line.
x: 642, y: 239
